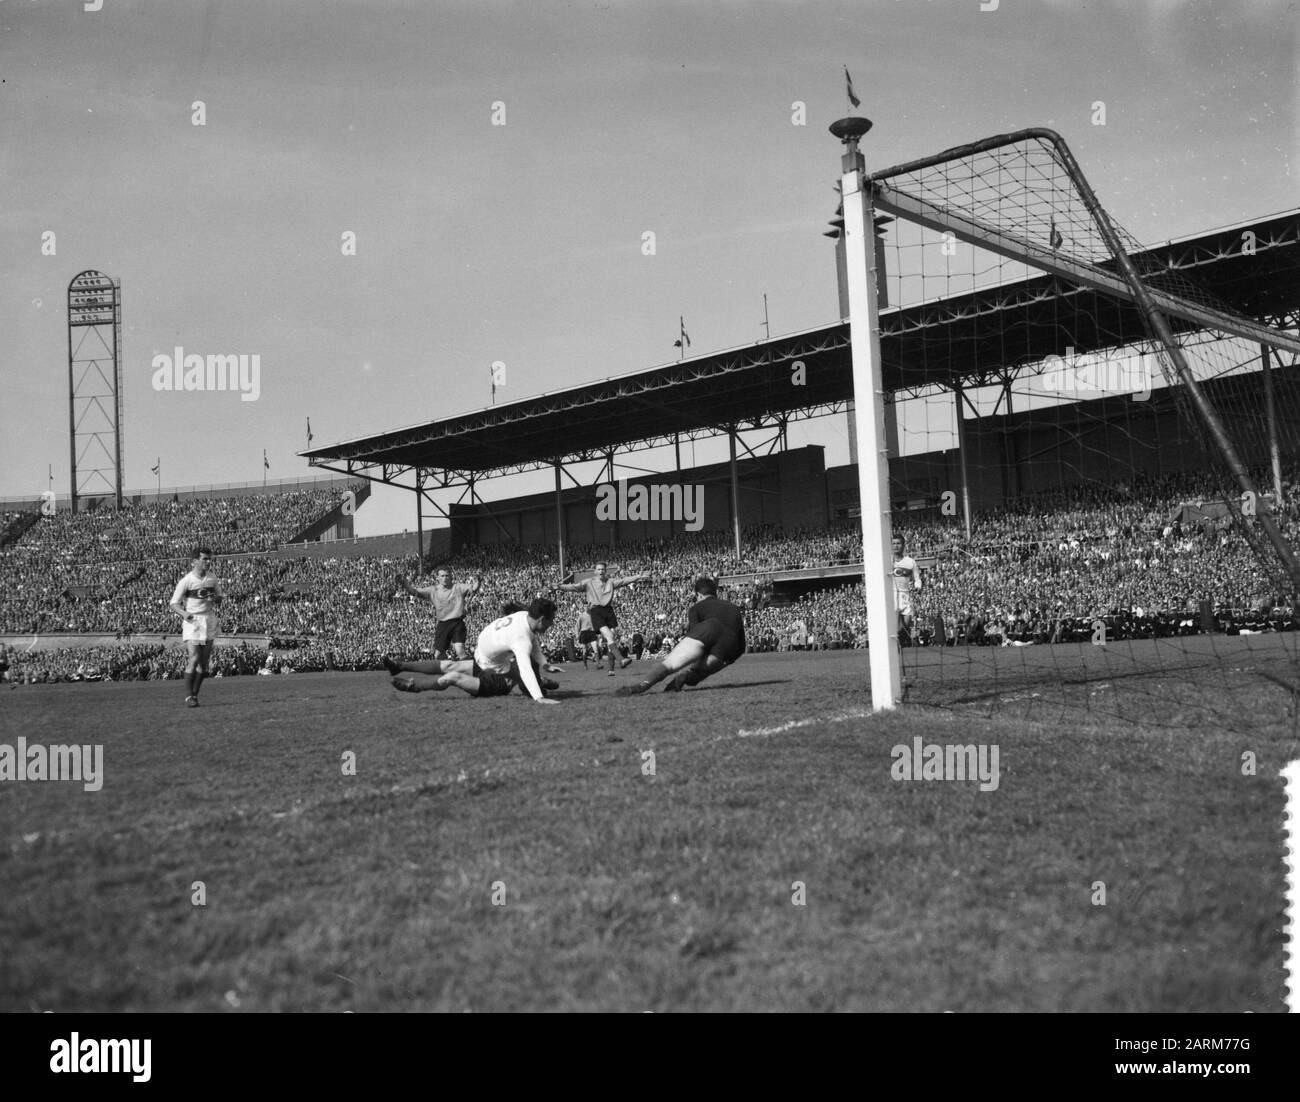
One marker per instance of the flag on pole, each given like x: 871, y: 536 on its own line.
x: 154, y: 468
x: 266, y: 463
x: 493, y: 373
x: 1055, y: 236
x: 309, y: 437
x: 684, y: 340
x: 848, y: 81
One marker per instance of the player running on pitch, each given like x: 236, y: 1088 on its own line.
x: 600, y: 600
x: 195, y: 601
x: 508, y: 653
x: 714, y: 639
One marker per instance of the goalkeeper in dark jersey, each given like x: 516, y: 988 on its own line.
x: 715, y: 638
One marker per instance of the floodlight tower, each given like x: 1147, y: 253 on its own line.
x: 869, y: 399
x: 95, y: 386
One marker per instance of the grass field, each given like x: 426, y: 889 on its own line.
x: 619, y: 890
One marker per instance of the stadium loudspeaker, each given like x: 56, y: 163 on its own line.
x: 940, y: 632
x: 1207, y: 618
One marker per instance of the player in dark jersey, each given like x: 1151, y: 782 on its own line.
x: 715, y: 638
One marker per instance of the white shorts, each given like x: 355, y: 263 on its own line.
x: 903, y: 600
x: 201, y: 629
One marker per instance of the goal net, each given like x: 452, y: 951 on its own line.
x: 1099, y: 455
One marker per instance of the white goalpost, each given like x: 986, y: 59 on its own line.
x: 869, y: 398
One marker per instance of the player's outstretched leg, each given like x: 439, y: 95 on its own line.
x: 458, y: 680
x: 693, y: 675
x: 431, y: 677
x: 686, y: 653
x: 396, y: 665
x: 419, y: 682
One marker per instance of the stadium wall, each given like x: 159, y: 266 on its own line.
x: 398, y: 545
x: 787, y: 489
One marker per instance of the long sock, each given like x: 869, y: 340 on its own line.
x: 199, y: 675
x: 189, y: 682
x: 421, y: 667
x: 421, y: 682
x: 655, y: 674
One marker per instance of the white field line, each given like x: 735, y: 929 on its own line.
x: 794, y: 724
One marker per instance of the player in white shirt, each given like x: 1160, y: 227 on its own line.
x: 508, y: 653
x: 907, y: 577
x: 195, y: 601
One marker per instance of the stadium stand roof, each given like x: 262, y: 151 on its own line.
x: 971, y: 339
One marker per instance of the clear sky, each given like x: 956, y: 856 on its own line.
x: 523, y: 243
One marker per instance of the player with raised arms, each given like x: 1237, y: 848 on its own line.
x: 714, y: 639
x: 508, y: 653
x: 448, y: 600
x: 195, y: 601
x: 600, y: 604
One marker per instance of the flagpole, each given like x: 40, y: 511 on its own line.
x: 265, y: 468
x: 158, y: 471
x: 767, y: 328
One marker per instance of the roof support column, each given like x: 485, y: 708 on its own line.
x: 1270, y: 409
x: 559, y: 521
x: 735, y: 490
x: 419, y: 516
x: 613, y: 524
x: 960, y: 397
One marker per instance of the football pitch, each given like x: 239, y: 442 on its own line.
x: 319, y: 842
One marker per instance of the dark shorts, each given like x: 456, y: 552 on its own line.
x: 602, y: 616
x: 588, y: 637
x: 491, y: 683
x: 718, y: 641
x: 448, y: 632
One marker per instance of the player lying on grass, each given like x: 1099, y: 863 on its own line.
x: 508, y: 653
x: 715, y: 638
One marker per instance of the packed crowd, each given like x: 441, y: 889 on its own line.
x: 167, y: 530
x: 1043, y: 570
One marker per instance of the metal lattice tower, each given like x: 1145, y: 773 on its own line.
x: 95, y: 386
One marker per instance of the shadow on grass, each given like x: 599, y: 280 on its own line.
x: 737, y: 685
